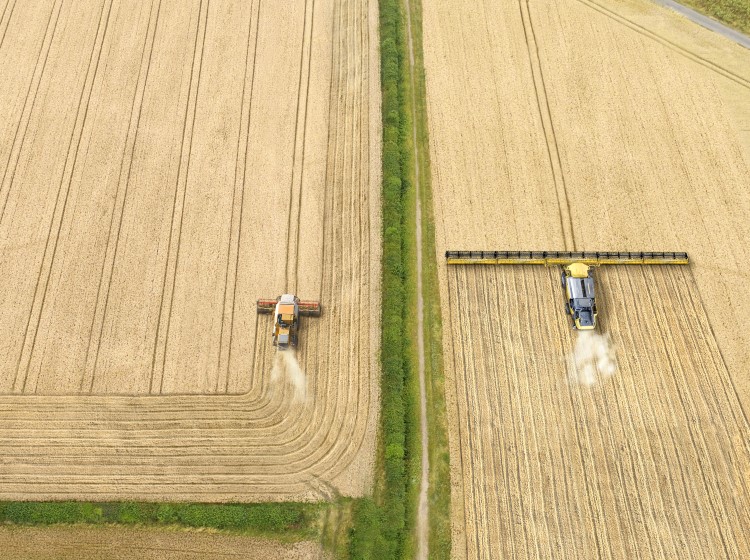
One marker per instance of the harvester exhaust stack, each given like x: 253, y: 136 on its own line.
x: 577, y: 272
x: 287, y: 310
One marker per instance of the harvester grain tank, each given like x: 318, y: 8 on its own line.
x: 577, y: 271
x: 287, y: 310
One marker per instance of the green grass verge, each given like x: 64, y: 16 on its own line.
x: 735, y: 13
x: 413, y: 435
x: 382, y: 525
x: 439, y: 454
x: 336, y: 523
x: 284, y: 521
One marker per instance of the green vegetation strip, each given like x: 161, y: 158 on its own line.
x: 735, y: 13
x: 383, y: 528
x: 440, y: 489
x: 381, y: 525
x: 286, y: 521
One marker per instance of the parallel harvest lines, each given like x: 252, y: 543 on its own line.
x: 652, y: 462
x: 238, y: 202
x: 19, y: 136
x: 178, y: 207
x: 298, y: 152
x: 61, y: 202
x: 121, y: 193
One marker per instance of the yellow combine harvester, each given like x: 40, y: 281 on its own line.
x: 577, y: 272
x: 286, y: 311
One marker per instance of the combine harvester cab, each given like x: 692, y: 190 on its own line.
x: 578, y: 283
x: 287, y: 310
x: 577, y: 271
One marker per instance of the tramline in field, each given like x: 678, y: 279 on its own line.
x: 577, y: 277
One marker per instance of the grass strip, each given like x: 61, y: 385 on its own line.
x: 289, y: 521
x: 382, y: 525
x: 735, y: 13
x: 413, y: 434
x: 439, y: 454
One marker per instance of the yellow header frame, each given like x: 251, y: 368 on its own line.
x: 562, y: 258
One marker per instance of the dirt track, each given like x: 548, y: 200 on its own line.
x: 566, y: 126
x: 163, y: 166
x: 117, y: 543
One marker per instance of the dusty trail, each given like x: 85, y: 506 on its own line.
x: 528, y: 101
x: 125, y: 324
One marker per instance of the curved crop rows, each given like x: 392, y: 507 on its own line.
x: 559, y: 126
x: 164, y: 165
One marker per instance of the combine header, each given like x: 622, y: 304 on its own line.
x: 577, y: 273
x: 287, y: 310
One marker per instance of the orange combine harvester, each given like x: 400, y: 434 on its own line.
x: 287, y: 310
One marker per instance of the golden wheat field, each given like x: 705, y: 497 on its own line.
x: 164, y: 164
x: 581, y: 125
x: 127, y: 543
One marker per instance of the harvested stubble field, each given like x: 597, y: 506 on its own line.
x: 565, y: 125
x: 125, y: 543
x: 164, y: 164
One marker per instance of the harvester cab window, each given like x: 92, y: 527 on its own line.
x: 588, y: 286
x: 576, y: 288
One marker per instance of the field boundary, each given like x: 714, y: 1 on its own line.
x: 439, y: 489
x: 385, y: 527
x: 608, y: 12
x: 729, y: 18
x: 283, y: 521
x: 382, y: 525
